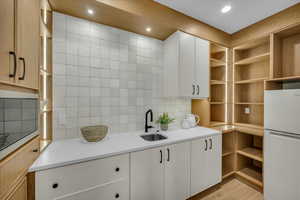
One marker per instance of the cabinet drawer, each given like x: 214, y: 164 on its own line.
x: 111, y: 191
x: 83, y: 177
x: 15, y: 166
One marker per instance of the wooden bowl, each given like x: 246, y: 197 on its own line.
x: 94, y: 133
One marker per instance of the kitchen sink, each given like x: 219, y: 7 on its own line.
x: 153, y: 137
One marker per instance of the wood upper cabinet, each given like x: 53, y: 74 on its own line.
x: 7, y: 40
x: 19, y: 38
x: 28, y: 21
x: 186, y: 66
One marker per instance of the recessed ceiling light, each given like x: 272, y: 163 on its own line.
x: 148, y: 29
x: 226, y: 9
x: 90, y: 11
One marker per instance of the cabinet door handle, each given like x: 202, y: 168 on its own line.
x: 210, y: 140
x: 117, y: 196
x: 24, y: 69
x: 206, y: 145
x: 161, y: 156
x: 15, y: 64
x: 168, y: 150
x: 198, y: 89
x: 193, y: 89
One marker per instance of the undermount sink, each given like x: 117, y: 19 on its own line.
x: 153, y: 137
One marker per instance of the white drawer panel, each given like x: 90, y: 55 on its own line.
x: 61, y: 181
x: 111, y: 191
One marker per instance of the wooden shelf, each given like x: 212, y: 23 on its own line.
x: 255, y: 80
x: 217, y: 103
x: 216, y: 123
x: 216, y: 61
x: 226, y: 174
x: 253, y: 126
x: 252, y: 175
x: 217, y: 65
x: 227, y: 152
x: 249, y: 103
x: 250, y: 130
x: 217, y: 82
x: 285, y: 79
x: 253, y: 153
x: 253, y: 59
x: 253, y: 43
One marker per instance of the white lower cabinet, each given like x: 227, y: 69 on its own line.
x: 173, y: 172
x: 161, y: 173
x: 99, y: 179
x: 206, y: 163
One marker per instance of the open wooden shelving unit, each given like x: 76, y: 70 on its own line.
x: 250, y: 71
x: 218, y: 84
x: 267, y: 63
x: 285, y: 64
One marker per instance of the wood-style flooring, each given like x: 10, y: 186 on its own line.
x: 230, y: 190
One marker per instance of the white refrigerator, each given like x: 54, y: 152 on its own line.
x: 282, y: 145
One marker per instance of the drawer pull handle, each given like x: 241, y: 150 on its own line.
x: 117, y: 169
x: 55, y: 185
x: 35, y: 150
x: 117, y: 196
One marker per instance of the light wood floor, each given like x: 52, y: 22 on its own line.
x: 231, y: 190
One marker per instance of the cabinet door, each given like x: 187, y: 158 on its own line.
x: 21, y: 191
x: 214, y: 160
x: 199, y: 166
x: 177, y: 171
x: 202, y: 68
x: 28, y: 28
x: 187, y: 85
x: 147, y: 175
x: 7, y: 34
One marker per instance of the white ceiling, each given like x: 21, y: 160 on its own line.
x: 242, y: 14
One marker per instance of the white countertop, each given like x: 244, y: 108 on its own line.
x: 65, y: 152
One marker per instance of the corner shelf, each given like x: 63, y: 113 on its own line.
x: 217, y: 103
x: 255, y: 80
x: 249, y: 103
x: 253, y: 126
x: 253, y: 153
x: 254, y: 59
x: 252, y: 174
x: 217, y: 61
x: 217, y: 123
x: 217, y: 82
x: 250, y: 130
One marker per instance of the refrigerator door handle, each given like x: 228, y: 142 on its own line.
x: 291, y: 135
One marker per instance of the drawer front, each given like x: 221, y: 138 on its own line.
x: 111, y: 191
x: 15, y: 166
x: 61, y: 181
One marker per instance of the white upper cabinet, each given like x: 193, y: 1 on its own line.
x: 186, y: 66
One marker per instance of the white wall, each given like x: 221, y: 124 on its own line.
x: 104, y: 75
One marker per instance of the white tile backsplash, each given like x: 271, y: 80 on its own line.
x: 104, y: 75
